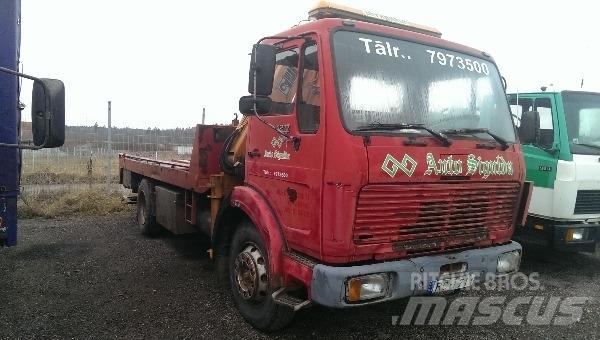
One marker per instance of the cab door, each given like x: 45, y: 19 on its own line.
x: 288, y: 171
x: 541, y: 158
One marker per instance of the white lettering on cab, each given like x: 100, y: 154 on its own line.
x: 383, y: 48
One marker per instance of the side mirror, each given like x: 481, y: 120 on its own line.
x: 48, y: 97
x: 262, y: 67
x: 529, y: 130
x: 263, y: 105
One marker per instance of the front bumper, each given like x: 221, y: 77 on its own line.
x: 586, y: 245
x: 328, y: 285
x: 553, y: 234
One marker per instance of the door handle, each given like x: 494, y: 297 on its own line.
x: 254, y: 153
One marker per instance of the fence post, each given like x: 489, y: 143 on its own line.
x: 109, y: 147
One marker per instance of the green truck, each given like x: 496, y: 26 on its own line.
x: 560, y: 137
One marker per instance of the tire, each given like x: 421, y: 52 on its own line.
x: 256, y: 305
x: 146, y: 221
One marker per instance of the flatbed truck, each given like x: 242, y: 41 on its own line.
x: 371, y: 152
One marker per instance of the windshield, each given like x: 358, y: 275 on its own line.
x: 389, y: 81
x: 582, y: 112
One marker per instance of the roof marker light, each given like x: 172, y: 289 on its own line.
x: 326, y: 9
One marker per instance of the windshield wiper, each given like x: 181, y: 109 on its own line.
x: 588, y: 145
x: 392, y: 127
x: 497, y: 138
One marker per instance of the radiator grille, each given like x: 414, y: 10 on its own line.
x: 588, y: 202
x: 426, y: 217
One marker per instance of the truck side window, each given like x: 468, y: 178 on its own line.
x: 544, y: 107
x: 517, y: 108
x: 309, y: 108
x: 285, y: 81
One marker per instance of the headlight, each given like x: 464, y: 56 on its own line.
x: 508, y: 262
x: 367, y: 287
x: 575, y: 234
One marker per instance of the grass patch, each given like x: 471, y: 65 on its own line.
x: 93, y: 201
x: 45, y: 178
x: 67, y: 169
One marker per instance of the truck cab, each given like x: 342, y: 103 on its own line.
x: 562, y: 157
x: 355, y: 164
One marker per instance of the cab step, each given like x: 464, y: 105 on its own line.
x: 281, y: 297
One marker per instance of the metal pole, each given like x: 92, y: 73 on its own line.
x: 203, y: 115
x: 109, y: 157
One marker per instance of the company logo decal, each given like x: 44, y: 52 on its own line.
x: 391, y: 165
x: 446, y: 166
x: 496, y: 167
x: 277, y: 142
x: 278, y: 155
x: 449, y: 166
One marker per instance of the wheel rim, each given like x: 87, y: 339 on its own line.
x: 250, y: 272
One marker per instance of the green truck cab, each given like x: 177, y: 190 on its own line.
x: 560, y: 134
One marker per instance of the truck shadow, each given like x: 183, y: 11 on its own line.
x: 321, y: 320
x: 378, y: 321
x: 189, y: 246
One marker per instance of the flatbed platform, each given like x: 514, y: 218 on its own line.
x: 193, y: 174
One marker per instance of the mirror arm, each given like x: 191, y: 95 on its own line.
x: 47, y: 115
x: 295, y: 140
x: 283, y: 39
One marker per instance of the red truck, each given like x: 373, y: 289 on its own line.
x: 375, y: 161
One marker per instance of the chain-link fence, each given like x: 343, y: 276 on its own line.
x: 85, y: 157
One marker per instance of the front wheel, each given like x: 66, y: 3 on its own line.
x: 249, y: 279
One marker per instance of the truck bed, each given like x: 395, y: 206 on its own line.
x: 191, y: 174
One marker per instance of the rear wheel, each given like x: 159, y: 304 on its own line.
x: 249, y: 279
x: 146, y: 221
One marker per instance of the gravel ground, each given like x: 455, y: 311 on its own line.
x: 96, y: 277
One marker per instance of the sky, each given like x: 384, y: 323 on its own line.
x: 161, y: 62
